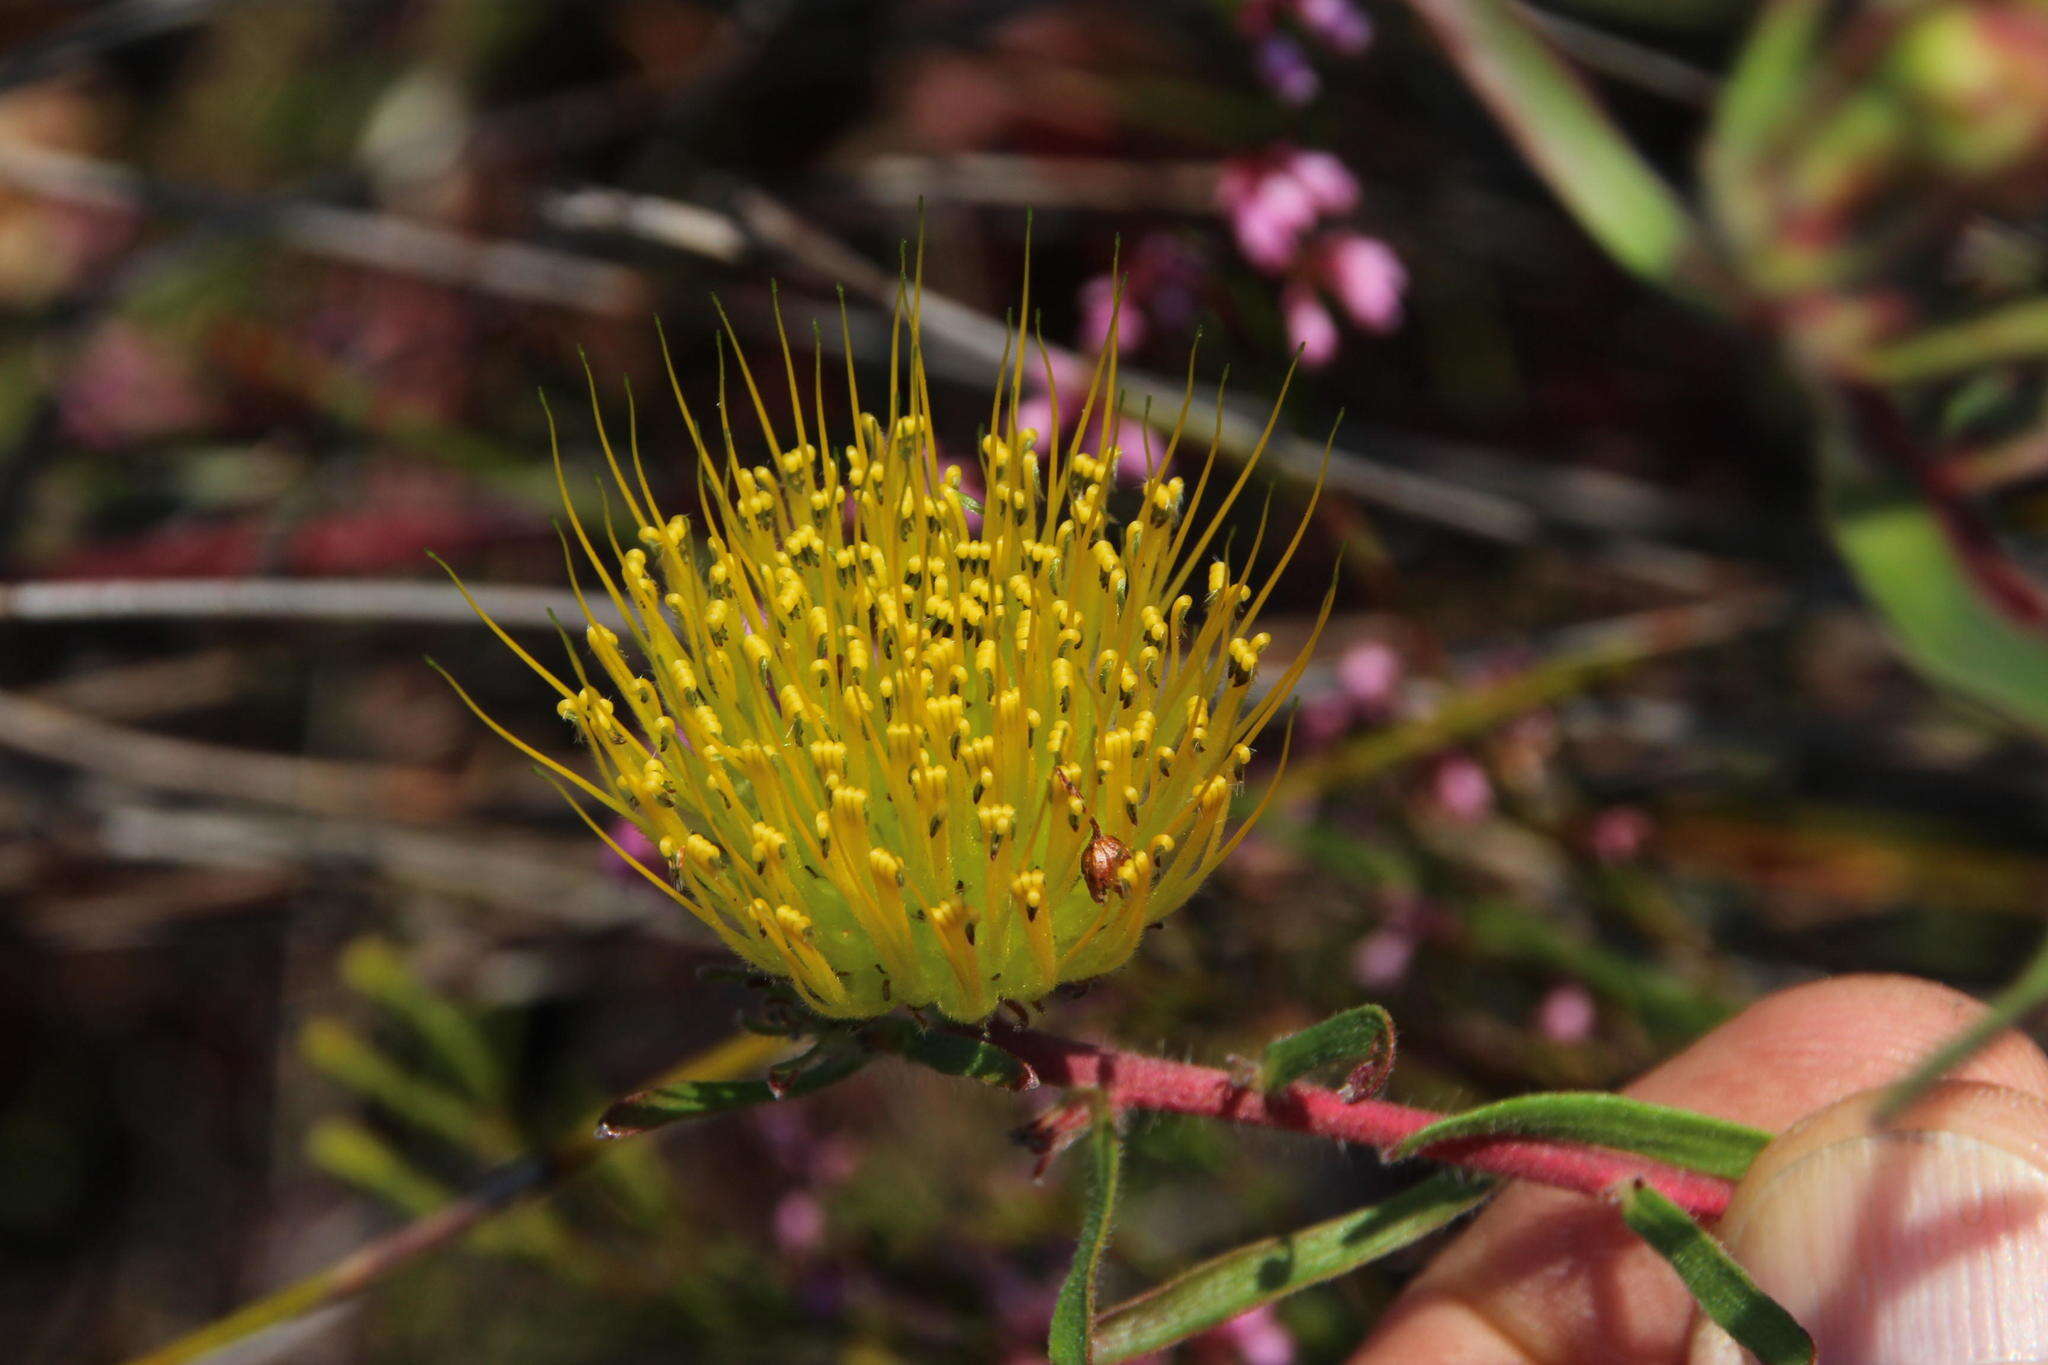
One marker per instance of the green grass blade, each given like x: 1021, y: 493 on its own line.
x: 1570, y: 140
x: 377, y: 970
x: 1722, y: 1288
x: 2005, y: 1009
x: 1677, y: 1136
x: 1274, y: 1267
x: 2017, y: 331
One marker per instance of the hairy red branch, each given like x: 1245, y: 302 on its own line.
x: 1132, y: 1081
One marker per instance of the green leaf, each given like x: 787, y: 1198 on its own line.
x: 1722, y: 1288
x: 379, y: 971
x: 349, y: 1151
x: 828, y: 1063
x: 2005, y: 1009
x: 1570, y: 140
x: 2017, y: 331
x: 1911, y: 571
x: 1770, y: 79
x: 1073, y: 1316
x: 350, y: 1060
x: 1361, y: 1037
x: 1677, y: 1136
x: 1260, y: 1272
x: 954, y: 1054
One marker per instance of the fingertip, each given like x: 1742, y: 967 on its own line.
x: 1813, y: 1044
x: 1922, y: 1239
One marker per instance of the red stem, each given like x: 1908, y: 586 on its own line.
x: 1132, y: 1081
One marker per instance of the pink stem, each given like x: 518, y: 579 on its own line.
x: 1132, y: 1081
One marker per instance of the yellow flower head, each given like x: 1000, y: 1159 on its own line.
x: 899, y: 758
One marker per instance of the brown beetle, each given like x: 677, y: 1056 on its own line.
x: 1105, y: 854
x: 1100, y: 862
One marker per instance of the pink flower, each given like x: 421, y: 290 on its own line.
x: 1099, y: 307
x: 1381, y: 958
x: 127, y: 385
x: 1273, y: 199
x: 1310, y: 328
x: 1367, y: 278
x: 1259, y: 1337
x: 1331, y: 188
x: 1284, y: 67
x: 1370, y: 675
x: 638, y: 847
x: 1337, y: 24
x: 1461, y: 790
x: 1567, y: 1014
x: 1619, y: 834
x: 799, y: 1223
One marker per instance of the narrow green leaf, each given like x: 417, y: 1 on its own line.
x: 1260, y: 1272
x: 1771, y: 76
x: 349, y: 1151
x: 1911, y: 571
x: 1680, y: 1137
x: 830, y: 1062
x: 1361, y: 1037
x: 1073, y: 1316
x: 2005, y: 1009
x: 376, y: 969
x: 353, y: 1061
x: 1722, y: 1288
x: 954, y: 1054
x: 2017, y: 331
x: 1570, y: 140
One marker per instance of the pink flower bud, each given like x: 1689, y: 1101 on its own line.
x: 1337, y: 24
x: 1310, y: 328
x: 1619, y: 834
x: 1567, y: 1014
x: 1461, y: 789
x: 1381, y: 958
x: 1099, y: 307
x: 799, y: 1223
x: 1285, y: 69
x: 1367, y: 278
x: 1259, y: 1337
x: 1330, y: 187
x: 1370, y: 675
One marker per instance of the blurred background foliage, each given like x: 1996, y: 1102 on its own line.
x: 1606, y: 738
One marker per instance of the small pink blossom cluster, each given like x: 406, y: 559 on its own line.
x: 1279, y: 202
x: 1283, y: 63
x: 1162, y: 289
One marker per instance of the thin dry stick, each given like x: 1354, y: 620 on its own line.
x: 1480, y: 512
x: 509, y: 269
x: 372, y: 601
x: 322, y: 785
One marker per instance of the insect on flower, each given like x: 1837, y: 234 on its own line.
x: 872, y: 741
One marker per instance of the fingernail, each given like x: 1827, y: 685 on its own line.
x: 1916, y: 1245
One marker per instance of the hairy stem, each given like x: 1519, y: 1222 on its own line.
x: 1135, y: 1082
